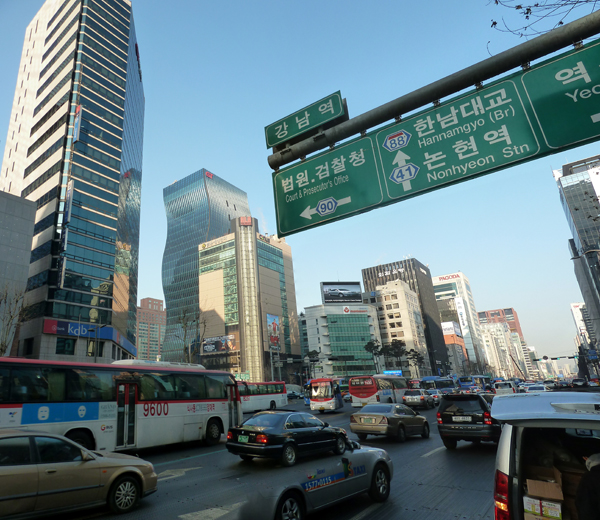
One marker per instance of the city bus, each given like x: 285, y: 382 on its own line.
x: 478, y: 383
x: 119, y: 406
x: 325, y: 394
x: 262, y: 396
x: 379, y: 388
x: 444, y: 384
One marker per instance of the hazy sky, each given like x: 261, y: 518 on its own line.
x: 216, y: 73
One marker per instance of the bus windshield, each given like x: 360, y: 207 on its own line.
x: 321, y: 390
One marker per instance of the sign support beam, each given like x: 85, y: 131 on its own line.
x: 522, y: 54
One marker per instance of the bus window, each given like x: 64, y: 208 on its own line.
x: 28, y: 384
x: 215, y: 387
x: 400, y: 383
x: 4, y: 380
x: 188, y: 386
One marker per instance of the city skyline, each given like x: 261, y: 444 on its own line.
x: 505, y: 231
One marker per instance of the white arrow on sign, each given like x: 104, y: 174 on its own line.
x: 308, y: 212
x: 400, y: 160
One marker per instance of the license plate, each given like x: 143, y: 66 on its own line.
x: 458, y: 418
x: 368, y: 420
x: 242, y: 438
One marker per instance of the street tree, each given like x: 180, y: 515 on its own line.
x: 374, y: 348
x: 12, y: 314
x: 415, y: 360
x: 541, y: 16
x: 193, y: 326
x: 394, y: 350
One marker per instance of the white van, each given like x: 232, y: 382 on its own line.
x: 504, y: 387
x: 545, y: 442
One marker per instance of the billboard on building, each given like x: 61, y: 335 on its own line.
x: 273, y: 332
x: 450, y: 328
x: 341, y: 292
x: 219, y: 344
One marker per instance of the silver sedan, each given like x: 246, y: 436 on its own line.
x: 318, y: 483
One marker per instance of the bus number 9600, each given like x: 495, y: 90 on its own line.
x: 156, y: 409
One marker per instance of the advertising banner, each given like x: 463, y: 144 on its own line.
x: 219, y: 344
x: 273, y: 332
x: 450, y: 328
x: 77, y: 123
x: 341, y: 292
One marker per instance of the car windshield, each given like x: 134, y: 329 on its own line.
x: 269, y: 420
x: 377, y: 408
x: 321, y: 390
x: 432, y: 392
x: 461, y: 405
x: 502, y: 385
x: 412, y: 392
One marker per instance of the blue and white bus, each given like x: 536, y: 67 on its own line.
x: 444, y: 384
x: 479, y: 383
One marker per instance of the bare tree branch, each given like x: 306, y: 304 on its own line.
x: 11, y: 314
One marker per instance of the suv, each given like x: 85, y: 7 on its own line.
x: 545, y: 440
x: 466, y: 417
x: 579, y: 381
x: 504, y: 387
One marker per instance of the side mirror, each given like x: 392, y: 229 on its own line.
x: 86, y: 456
x: 325, y: 424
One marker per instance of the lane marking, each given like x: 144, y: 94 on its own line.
x: 434, y: 451
x: 187, y: 458
x: 212, y: 513
x: 173, y: 473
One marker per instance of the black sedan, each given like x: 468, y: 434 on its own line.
x: 284, y: 435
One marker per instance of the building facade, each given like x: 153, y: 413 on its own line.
x: 579, y: 188
x: 456, y: 287
x: 457, y: 351
x: 418, y: 278
x: 74, y: 148
x: 399, y: 318
x: 339, y: 333
x: 199, y: 209
x: 247, y: 302
x: 151, y: 325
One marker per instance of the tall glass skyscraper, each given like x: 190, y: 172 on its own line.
x: 199, y: 209
x: 579, y: 187
x: 74, y: 146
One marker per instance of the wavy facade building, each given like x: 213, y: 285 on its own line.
x: 199, y: 208
x: 74, y: 147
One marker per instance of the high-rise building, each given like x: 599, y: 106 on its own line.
x: 508, y: 316
x: 248, y: 322
x: 579, y: 188
x: 453, y: 292
x: 339, y: 333
x: 199, y: 209
x: 418, y: 278
x: 151, y: 325
x: 74, y: 147
x: 457, y: 352
x: 399, y: 318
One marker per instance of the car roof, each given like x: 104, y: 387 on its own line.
x: 526, y: 409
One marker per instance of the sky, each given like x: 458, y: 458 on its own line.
x: 216, y: 73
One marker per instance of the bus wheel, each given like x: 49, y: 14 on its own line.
x: 213, y: 433
x: 272, y: 406
x: 82, y: 438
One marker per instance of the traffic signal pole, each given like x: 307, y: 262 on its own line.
x: 519, y: 56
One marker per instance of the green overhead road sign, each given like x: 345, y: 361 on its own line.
x: 553, y: 106
x: 565, y: 96
x: 328, y: 187
x: 309, y: 118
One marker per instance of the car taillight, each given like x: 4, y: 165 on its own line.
x: 514, y: 391
x: 384, y: 420
x: 487, y: 418
x: 352, y: 419
x: 439, y: 418
x: 422, y: 398
x: 262, y: 438
x: 229, y: 436
x: 404, y: 398
x: 378, y: 398
x: 501, y: 509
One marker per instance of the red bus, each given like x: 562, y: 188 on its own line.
x: 325, y: 394
x: 262, y: 396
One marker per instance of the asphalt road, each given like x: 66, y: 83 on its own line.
x: 430, y: 482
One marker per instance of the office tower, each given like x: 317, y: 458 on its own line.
x: 579, y: 188
x: 74, y: 147
x: 508, y: 316
x: 199, y: 209
x: 339, y: 333
x: 455, y: 303
x: 418, y: 278
x: 399, y: 318
x: 247, y: 303
x: 151, y: 324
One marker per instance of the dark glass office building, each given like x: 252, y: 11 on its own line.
x: 75, y: 146
x: 418, y: 277
x: 199, y: 208
x: 579, y: 189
